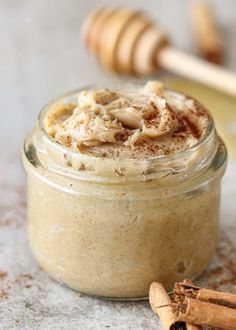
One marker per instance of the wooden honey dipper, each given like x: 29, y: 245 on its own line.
x: 128, y: 42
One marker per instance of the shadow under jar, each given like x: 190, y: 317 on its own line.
x: 112, y: 227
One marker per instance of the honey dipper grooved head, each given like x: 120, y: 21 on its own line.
x: 123, y: 40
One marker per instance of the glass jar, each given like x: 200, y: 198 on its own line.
x: 111, y: 228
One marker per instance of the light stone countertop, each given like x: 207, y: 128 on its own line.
x: 41, y: 57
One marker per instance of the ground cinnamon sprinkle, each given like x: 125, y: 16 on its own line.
x: 194, y: 129
x: 224, y: 273
x: 3, y: 275
x: 3, y: 294
x: 27, y: 276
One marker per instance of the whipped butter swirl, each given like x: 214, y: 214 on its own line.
x: 108, y: 123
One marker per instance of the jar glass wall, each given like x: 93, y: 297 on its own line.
x: 113, y: 229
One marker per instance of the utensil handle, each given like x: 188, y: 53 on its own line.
x: 197, y: 69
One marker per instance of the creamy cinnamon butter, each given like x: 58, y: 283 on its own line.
x: 124, y: 189
x: 149, y: 122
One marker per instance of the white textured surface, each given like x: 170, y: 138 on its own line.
x: 41, y: 57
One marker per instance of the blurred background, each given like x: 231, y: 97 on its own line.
x: 42, y: 56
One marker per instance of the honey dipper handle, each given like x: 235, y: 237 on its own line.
x: 197, y: 69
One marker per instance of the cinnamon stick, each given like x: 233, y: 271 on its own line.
x: 198, y: 312
x: 161, y: 305
x: 191, y: 307
x: 220, y: 298
x: 207, y: 34
x: 188, y: 289
x: 193, y: 327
